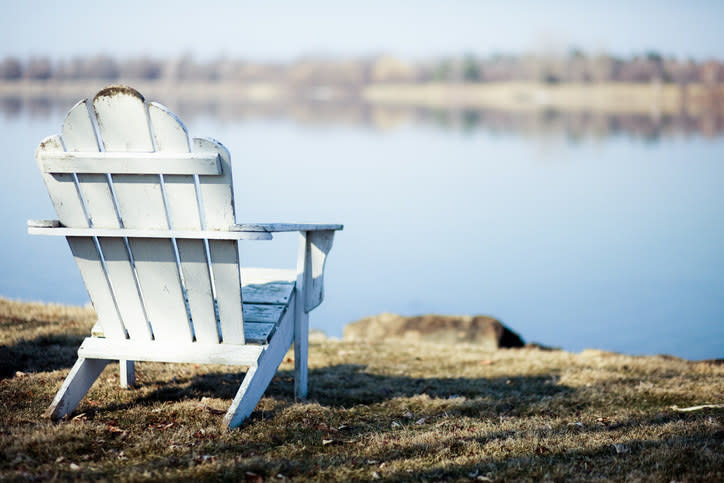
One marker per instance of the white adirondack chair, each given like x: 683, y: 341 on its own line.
x: 149, y: 217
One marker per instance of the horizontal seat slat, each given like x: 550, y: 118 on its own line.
x: 152, y: 351
x: 130, y: 163
x: 267, y: 293
x: 262, y: 313
x: 255, y: 333
x: 267, y: 285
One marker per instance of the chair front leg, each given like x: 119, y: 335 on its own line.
x: 80, y: 379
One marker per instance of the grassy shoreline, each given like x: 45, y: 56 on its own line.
x: 414, y: 412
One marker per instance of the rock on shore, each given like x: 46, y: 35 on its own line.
x: 479, y: 329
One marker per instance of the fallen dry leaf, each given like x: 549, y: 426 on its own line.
x: 214, y: 410
x: 697, y: 408
x: 621, y: 448
x: 251, y: 476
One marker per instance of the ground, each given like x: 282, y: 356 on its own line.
x: 383, y: 411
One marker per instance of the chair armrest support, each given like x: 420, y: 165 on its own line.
x: 313, y: 250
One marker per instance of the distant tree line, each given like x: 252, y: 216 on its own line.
x: 576, y: 66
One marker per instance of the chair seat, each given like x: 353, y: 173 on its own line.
x: 266, y: 293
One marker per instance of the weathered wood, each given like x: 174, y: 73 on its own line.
x: 61, y: 187
x: 217, y: 195
x: 97, y: 283
x: 152, y: 351
x: 249, y: 231
x: 199, y: 290
x: 144, y: 233
x: 44, y: 224
x: 265, y: 313
x: 258, y: 333
x: 257, y: 379
x: 125, y: 291
x: 80, y: 136
x: 82, y: 376
x: 65, y: 191
x: 255, y: 332
x: 149, y: 216
x: 301, y: 318
x: 170, y: 136
x: 127, y: 374
x: 319, y: 245
x: 159, y: 278
x: 277, y: 293
x: 130, y: 163
x: 123, y: 126
x: 225, y: 269
x: 281, y: 227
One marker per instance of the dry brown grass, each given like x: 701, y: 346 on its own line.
x: 417, y: 412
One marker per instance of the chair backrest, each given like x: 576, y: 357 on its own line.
x: 122, y: 162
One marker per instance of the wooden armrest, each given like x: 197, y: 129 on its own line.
x: 279, y: 227
x: 44, y: 224
x: 54, y: 228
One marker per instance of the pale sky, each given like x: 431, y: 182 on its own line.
x: 278, y: 30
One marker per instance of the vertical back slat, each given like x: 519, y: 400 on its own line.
x: 171, y: 136
x: 69, y: 207
x: 225, y: 263
x: 86, y: 257
x: 217, y: 192
x: 79, y: 135
x: 218, y: 205
x: 123, y: 125
x: 61, y: 188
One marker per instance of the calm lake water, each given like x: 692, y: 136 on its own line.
x: 613, y: 242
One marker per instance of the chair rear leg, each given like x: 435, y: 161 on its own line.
x: 128, y: 374
x: 76, y: 385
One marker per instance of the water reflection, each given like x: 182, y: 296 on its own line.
x: 571, y: 125
x: 607, y: 240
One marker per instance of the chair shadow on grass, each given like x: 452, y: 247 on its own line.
x: 347, y: 385
x: 352, y: 387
